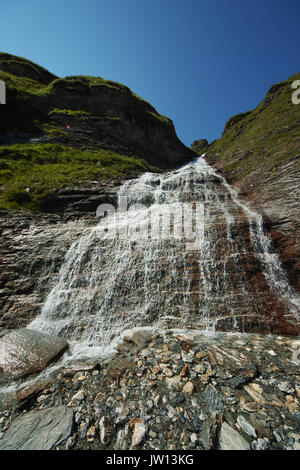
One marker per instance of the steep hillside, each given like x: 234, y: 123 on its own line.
x: 65, y: 131
x: 259, y: 152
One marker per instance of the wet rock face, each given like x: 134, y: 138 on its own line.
x: 24, y: 351
x: 230, y: 279
x: 265, y: 169
x: 224, y: 283
x: 171, y: 393
x: 32, y: 249
x: 280, y: 208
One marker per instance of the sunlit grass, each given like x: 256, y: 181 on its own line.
x: 29, y: 172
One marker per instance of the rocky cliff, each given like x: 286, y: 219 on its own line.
x: 199, y: 391
x: 100, y: 114
x: 259, y: 153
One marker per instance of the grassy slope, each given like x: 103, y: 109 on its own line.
x: 264, y: 137
x: 44, y: 167
x: 31, y: 118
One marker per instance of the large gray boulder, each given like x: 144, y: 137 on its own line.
x: 26, y: 351
x: 39, y: 430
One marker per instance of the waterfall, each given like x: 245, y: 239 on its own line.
x: 188, y: 253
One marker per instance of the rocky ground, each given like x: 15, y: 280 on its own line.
x: 167, y: 390
x: 100, y: 114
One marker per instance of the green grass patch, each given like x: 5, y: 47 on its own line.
x: 159, y: 116
x: 69, y: 112
x: 262, y: 138
x: 45, y: 167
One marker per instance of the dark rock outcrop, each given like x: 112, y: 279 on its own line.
x: 32, y: 250
x: 101, y: 114
x: 232, y: 289
x: 199, y: 146
x: 32, y: 247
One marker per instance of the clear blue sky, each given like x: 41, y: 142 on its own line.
x: 197, y: 61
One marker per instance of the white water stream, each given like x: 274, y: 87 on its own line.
x: 143, y: 268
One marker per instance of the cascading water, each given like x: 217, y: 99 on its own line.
x: 187, y: 254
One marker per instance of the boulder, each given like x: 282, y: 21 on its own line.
x: 25, y: 351
x: 209, y: 431
x: 39, y: 430
x: 139, y: 337
x: 139, y: 431
x: 234, y: 361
